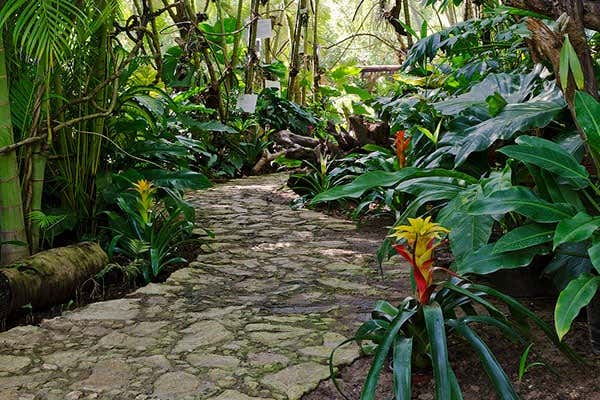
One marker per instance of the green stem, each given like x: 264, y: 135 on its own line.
x: 12, y: 221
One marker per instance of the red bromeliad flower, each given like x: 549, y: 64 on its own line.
x: 401, y: 147
x: 420, y: 237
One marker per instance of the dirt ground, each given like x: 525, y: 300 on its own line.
x: 565, y: 380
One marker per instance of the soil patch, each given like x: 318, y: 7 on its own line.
x: 566, y: 381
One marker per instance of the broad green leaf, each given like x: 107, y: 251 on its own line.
x: 575, y: 229
x: 524, y: 237
x: 375, y: 179
x: 485, y: 261
x: 368, y: 392
x: 523, y: 201
x: 594, y: 253
x: 549, y: 156
x: 402, y: 367
x: 514, y: 118
x: 572, y: 299
x: 363, y: 183
x: 436, y: 331
x: 587, y: 110
x: 211, y: 126
x: 570, y: 260
x: 492, y: 367
x: 512, y: 88
x: 467, y: 232
x: 179, y: 180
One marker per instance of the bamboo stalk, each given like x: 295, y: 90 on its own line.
x: 12, y: 221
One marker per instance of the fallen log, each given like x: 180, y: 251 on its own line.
x: 49, y: 277
x: 366, y: 132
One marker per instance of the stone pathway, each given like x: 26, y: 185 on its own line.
x: 254, y: 317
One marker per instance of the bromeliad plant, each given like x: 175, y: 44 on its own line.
x: 416, y: 332
x: 149, y: 233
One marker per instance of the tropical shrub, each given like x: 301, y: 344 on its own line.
x: 147, y: 232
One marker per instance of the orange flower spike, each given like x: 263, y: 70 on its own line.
x: 401, y: 147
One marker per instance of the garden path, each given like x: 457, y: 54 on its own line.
x: 254, y: 317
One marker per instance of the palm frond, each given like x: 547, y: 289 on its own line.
x: 43, y: 29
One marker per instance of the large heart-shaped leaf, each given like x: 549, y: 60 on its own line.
x: 523, y: 201
x: 578, y: 293
x: 511, y: 88
x: 536, y: 113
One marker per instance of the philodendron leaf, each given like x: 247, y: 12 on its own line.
x: 523, y: 201
x: 535, y: 113
x: 549, y: 156
x: 578, y: 293
x: 524, y: 237
x: 587, y: 110
x: 575, y: 229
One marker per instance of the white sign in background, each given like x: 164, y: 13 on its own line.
x: 247, y: 102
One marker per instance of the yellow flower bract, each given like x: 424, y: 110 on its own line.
x: 143, y: 186
x: 420, y: 228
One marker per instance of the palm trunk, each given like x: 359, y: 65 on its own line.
x: 12, y: 222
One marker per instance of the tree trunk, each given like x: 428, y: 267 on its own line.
x: 315, y: 61
x: 12, y: 221
x: 591, y: 10
x: 50, y: 277
x: 409, y: 38
x: 252, y: 58
x: 301, y: 19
